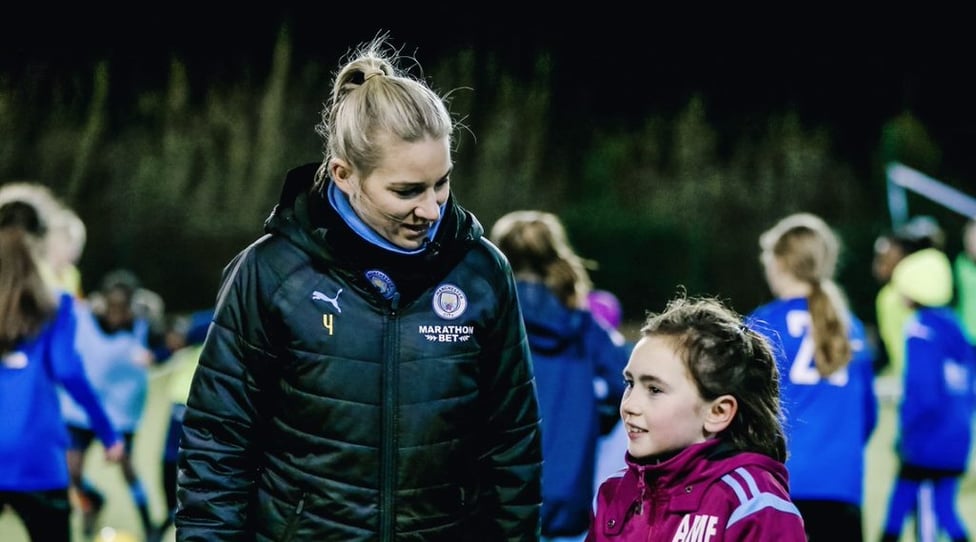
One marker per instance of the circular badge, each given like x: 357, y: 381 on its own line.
x: 382, y: 282
x: 449, y: 301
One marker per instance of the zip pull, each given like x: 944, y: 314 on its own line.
x: 433, y: 250
x: 642, y: 486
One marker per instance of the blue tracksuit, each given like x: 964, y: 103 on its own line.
x: 828, y: 420
x: 936, y: 410
x: 112, y: 363
x: 33, y: 437
x: 935, y: 425
x: 569, y: 351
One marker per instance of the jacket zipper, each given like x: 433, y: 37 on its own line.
x: 642, y: 486
x: 388, y: 440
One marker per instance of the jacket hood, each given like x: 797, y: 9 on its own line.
x: 551, y: 325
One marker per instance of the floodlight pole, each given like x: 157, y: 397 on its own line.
x: 902, y: 177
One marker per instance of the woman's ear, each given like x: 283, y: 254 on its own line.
x: 341, y: 173
x: 720, y: 413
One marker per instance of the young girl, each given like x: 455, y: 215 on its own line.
x: 37, y: 330
x: 113, y: 344
x: 577, y: 363
x: 827, y: 386
x: 706, y: 448
x: 937, y: 406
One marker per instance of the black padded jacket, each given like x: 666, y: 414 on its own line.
x: 321, y: 410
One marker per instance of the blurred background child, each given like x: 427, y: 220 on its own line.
x: 113, y: 344
x: 576, y: 360
x: 827, y: 373
x: 37, y: 331
x: 891, y: 313
x: 964, y: 270
x: 182, y: 364
x: 937, y: 405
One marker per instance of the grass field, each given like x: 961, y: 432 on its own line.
x: 120, y: 514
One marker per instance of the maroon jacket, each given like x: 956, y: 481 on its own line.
x: 706, y: 493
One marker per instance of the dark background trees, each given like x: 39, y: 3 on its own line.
x: 667, y: 145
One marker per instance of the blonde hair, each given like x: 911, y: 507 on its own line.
x: 56, y: 216
x: 37, y: 195
x: 371, y: 98
x: 807, y: 249
x: 536, y: 244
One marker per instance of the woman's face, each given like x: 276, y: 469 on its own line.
x: 661, y: 407
x: 401, y: 198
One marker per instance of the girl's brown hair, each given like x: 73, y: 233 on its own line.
x: 724, y: 357
x: 536, y: 245
x: 26, y: 302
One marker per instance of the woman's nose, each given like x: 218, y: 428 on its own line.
x: 428, y: 208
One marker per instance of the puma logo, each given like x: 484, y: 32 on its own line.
x: 319, y: 296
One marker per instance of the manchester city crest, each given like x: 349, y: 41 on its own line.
x: 449, y: 301
x: 382, y: 282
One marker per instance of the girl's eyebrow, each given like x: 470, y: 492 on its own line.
x: 650, y: 379
x: 644, y: 379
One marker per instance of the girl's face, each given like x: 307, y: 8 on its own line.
x: 886, y: 257
x: 661, y: 408
x: 118, y: 309
x: 401, y: 198
x: 62, y: 250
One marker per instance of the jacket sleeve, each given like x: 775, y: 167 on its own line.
x: 68, y: 369
x: 922, y: 376
x: 767, y: 525
x: 512, y: 462
x: 220, y: 446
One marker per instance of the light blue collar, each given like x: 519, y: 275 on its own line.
x: 340, y: 202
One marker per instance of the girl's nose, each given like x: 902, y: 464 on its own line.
x: 627, y: 407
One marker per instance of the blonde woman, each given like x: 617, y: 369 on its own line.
x: 367, y: 374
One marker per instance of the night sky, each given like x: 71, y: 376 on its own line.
x: 851, y: 74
